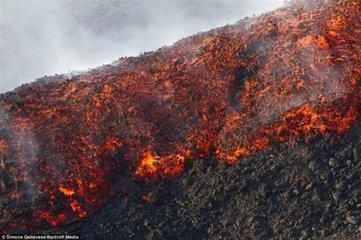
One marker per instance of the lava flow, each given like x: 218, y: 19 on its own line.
x: 66, y: 141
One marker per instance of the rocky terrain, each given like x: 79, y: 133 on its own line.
x: 247, y: 131
x: 303, y: 191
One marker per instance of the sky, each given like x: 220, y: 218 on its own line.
x: 47, y: 37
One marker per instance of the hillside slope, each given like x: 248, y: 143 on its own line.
x: 69, y: 145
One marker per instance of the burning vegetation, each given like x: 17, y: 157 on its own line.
x: 65, y: 143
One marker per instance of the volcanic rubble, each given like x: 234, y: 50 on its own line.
x: 303, y: 191
x: 250, y: 131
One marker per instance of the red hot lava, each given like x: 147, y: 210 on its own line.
x: 227, y: 93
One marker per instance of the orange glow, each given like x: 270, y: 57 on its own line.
x: 317, y: 40
x: 290, y: 75
x: 3, y: 146
x: 53, y: 220
x: 147, y: 165
x: 112, y: 144
x: 66, y: 191
x: 77, y: 209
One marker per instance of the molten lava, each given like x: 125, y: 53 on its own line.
x: 227, y: 93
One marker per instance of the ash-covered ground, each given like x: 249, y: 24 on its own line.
x: 303, y: 191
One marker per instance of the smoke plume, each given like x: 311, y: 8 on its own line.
x: 41, y: 37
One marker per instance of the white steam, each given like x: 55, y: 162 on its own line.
x: 44, y: 37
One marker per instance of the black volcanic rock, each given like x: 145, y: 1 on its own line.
x: 270, y: 195
x: 245, y: 131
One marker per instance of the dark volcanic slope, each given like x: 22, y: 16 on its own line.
x: 305, y: 191
x: 69, y: 145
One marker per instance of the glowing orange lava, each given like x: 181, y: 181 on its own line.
x: 289, y: 74
x: 3, y: 146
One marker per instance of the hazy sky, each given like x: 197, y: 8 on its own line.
x: 44, y: 37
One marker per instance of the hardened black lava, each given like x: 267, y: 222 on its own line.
x: 305, y: 191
